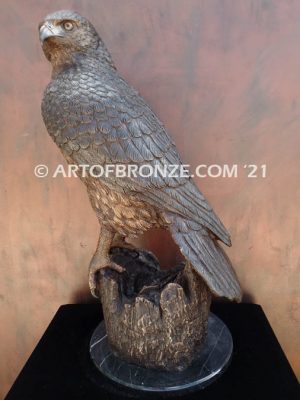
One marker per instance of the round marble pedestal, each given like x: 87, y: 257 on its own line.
x: 214, y: 358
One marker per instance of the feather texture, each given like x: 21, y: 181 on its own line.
x: 95, y: 117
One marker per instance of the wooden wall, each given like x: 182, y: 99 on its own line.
x: 224, y: 76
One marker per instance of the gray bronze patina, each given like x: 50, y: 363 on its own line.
x: 95, y: 117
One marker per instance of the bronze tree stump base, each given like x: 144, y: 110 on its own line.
x: 214, y: 358
x: 154, y: 318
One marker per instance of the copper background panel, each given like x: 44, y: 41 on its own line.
x: 224, y: 77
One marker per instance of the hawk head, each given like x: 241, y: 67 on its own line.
x: 66, y: 35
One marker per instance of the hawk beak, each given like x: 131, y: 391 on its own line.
x: 47, y: 31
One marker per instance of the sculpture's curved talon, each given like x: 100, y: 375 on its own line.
x: 94, y: 274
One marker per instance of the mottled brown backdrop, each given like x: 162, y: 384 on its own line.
x: 224, y: 76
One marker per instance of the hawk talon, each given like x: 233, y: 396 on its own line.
x: 94, y: 275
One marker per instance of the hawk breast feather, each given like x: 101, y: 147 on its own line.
x: 111, y: 124
x: 100, y: 119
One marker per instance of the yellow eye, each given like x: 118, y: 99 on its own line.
x: 68, y: 26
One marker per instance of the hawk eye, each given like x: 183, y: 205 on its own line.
x: 68, y: 25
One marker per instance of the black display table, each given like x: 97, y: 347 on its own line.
x: 60, y: 367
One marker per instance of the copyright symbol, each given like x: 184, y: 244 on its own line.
x: 41, y: 171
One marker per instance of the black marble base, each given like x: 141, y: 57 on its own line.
x: 60, y: 367
x: 213, y: 360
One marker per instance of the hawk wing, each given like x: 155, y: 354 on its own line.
x: 114, y: 125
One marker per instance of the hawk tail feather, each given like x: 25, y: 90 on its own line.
x: 208, y: 259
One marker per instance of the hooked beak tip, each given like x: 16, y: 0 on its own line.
x: 44, y: 33
x: 47, y: 32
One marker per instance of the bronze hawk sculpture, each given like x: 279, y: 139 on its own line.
x: 96, y: 118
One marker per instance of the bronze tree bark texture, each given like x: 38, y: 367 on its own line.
x: 154, y: 318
